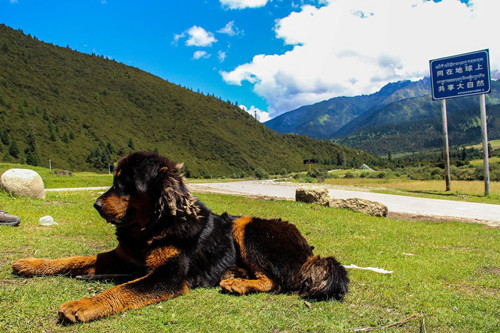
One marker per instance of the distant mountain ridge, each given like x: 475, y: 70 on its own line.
x: 391, y: 120
x: 324, y: 119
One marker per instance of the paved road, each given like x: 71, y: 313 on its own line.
x: 394, y: 203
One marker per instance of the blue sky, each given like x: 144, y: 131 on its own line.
x: 268, y: 55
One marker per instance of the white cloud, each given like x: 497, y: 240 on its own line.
x: 196, y: 36
x: 201, y: 55
x: 200, y: 37
x: 352, y: 47
x: 261, y: 115
x: 230, y: 29
x: 221, y: 55
x: 242, y: 4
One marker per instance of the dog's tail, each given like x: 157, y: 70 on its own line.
x: 323, y: 279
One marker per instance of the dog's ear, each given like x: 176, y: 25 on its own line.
x: 175, y: 197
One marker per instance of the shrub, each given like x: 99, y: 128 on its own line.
x: 260, y: 173
x: 319, y: 174
x: 349, y: 175
x: 283, y: 172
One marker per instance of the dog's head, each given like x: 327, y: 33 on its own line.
x: 146, y: 187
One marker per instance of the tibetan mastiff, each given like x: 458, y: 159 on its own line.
x: 171, y: 242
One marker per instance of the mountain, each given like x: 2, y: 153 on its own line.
x: 401, y: 117
x: 414, y: 125
x: 414, y: 109
x: 324, y: 119
x: 83, y: 111
x: 464, y: 128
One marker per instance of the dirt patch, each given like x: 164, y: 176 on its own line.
x: 491, y: 270
x: 440, y: 219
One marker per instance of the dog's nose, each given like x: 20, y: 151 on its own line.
x: 98, y: 205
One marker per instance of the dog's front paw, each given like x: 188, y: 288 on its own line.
x: 82, y: 310
x: 234, y: 286
x: 28, y: 267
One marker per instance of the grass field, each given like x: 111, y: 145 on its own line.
x: 445, y: 274
x: 461, y: 190
x: 51, y: 180
x: 472, y: 191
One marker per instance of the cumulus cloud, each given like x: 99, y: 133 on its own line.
x: 242, y: 4
x: 199, y: 37
x: 259, y: 114
x: 201, y: 55
x: 352, y: 47
x: 221, y: 55
x: 196, y: 36
x: 230, y: 29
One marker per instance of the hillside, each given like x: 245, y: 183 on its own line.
x: 83, y: 111
x: 418, y: 134
x: 324, y: 119
x: 400, y: 118
x: 415, y: 110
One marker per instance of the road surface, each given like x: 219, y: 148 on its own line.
x: 398, y: 204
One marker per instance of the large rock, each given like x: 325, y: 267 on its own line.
x: 318, y: 196
x: 360, y: 205
x: 23, y: 182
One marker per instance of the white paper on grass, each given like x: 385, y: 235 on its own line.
x: 374, y: 269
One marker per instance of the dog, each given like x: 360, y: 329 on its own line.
x: 171, y: 242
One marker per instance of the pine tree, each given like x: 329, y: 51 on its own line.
x: 4, y: 137
x: 130, y: 144
x: 14, y: 150
x: 31, y: 151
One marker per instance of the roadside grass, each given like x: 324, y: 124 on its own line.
x: 447, y: 274
x: 51, y: 180
x: 472, y: 191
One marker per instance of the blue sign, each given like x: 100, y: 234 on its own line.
x: 461, y: 75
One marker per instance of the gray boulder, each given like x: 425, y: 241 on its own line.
x: 318, y: 196
x: 360, y: 205
x: 23, y: 182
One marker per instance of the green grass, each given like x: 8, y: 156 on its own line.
x: 494, y: 159
x: 445, y: 273
x: 51, y: 180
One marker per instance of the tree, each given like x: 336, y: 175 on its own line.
x: 65, y: 138
x: 4, y: 137
x: 130, y: 144
x: 14, y: 150
x: 31, y: 151
x: 463, y: 155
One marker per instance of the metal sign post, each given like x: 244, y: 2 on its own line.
x: 458, y: 76
x: 446, y: 145
x: 484, y: 134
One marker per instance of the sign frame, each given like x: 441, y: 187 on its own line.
x: 460, y: 75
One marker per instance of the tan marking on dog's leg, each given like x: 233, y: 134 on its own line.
x: 239, y: 234
x: 245, y: 286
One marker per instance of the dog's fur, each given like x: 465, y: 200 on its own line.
x: 172, y: 242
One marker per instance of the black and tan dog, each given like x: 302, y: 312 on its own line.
x: 173, y: 242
